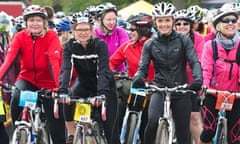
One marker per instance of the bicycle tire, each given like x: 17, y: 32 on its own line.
x: 23, y: 137
x: 43, y: 137
x: 221, y: 137
x: 132, y: 123
x: 97, y: 135
x: 78, y: 136
x: 162, y: 135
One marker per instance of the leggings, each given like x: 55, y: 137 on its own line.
x: 3, y: 134
x: 181, y: 109
x: 111, y: 127
x: 56, y: 126
x: 210, y: 114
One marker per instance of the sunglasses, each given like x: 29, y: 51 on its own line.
x: 228, y: 20
x: 132, y: 29
x: 184, y: 24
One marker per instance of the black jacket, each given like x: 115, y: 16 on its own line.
x: 170, y: 55
x: 91, y: 65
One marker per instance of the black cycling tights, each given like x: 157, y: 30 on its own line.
x: 3, y: 134
x: 181, y: 110
x: 56, y: 126
x: 209, y: 114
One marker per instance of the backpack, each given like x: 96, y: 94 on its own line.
x: 215, y: 57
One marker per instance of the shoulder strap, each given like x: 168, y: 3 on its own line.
x: 215, y: 51
x: 238, y: 55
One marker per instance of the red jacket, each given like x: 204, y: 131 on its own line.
x: 131, y: 54
x: 40, y: 59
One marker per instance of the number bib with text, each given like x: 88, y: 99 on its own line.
x: 225, y: 101
x: 82, y: 112
x: 28, y: 98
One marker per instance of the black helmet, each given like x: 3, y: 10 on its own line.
x: 140, y: 19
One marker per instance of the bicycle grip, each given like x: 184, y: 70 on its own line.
x: 56, y: 109
x: 104, y: 110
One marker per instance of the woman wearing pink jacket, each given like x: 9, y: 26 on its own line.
x: 222, y: 73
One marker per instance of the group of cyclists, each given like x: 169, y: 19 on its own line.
x: 79, y: 54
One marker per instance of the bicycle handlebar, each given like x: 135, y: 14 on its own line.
x: 215, y: 91
x: 179, y: 88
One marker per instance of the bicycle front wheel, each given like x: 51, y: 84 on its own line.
x: 78, y: 136
x: 43, y: 137
x: 162, y: 135
x: 131, y: 126
x: 20, y: 137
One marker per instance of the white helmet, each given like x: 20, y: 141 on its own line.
x: 34, y: 10
x: 82, y: 17
x: 163, y: 9
x: 197, y: 12
x: 223, y: 11
x: 233, y: 6
x: 183, y: 14
x: 105, y: 7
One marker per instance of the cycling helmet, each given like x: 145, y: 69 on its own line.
x: 82, y: 17
x: 60, y: 14
x: 233, y: 6
x: 163, y: 9
x: 196, y: 13
x: 140, y: 19
x: 63, y: 25
x: 4, y: 20
x: 183, y: 14
x: 19, y: 23
x: 34, y: 10
x: 222, y: 12
x: 92, y: 10
x: 104, y: 8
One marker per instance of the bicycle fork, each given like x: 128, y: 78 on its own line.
x: 124, y: 126
x: 222, y: 120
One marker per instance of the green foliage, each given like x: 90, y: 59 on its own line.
x: 70, y: 6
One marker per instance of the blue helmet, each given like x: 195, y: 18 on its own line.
x: 63, y: 25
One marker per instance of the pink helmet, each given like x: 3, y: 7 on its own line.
x: 34, y: 10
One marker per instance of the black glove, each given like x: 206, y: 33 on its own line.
x: 196, y: 86
x: 138, y: 82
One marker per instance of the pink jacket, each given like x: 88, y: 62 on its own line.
x: 198, y: 45
x: 113, y: 40
x: 223, y: 72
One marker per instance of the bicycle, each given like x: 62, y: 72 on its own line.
x: 136, y: 103
x: 89, y: 128
x: 166, y: 130
x: 31, y: 128
x: 225, y: 101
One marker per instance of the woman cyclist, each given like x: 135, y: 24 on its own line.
x: 184, y: 20
x: 89, y: 56
x: 169, y: 52
x: 108, y: 30
x: 222, y: 74
x: 39, y: 51
x: 130, y: 53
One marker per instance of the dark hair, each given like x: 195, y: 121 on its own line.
x: 50, y: 11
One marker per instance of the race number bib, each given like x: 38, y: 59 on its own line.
x: 225, y: 101
x: 28, y: 99
x: 82, y: 112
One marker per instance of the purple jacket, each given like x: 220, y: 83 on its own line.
x: 226, y: 79
x: 114, y: 40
